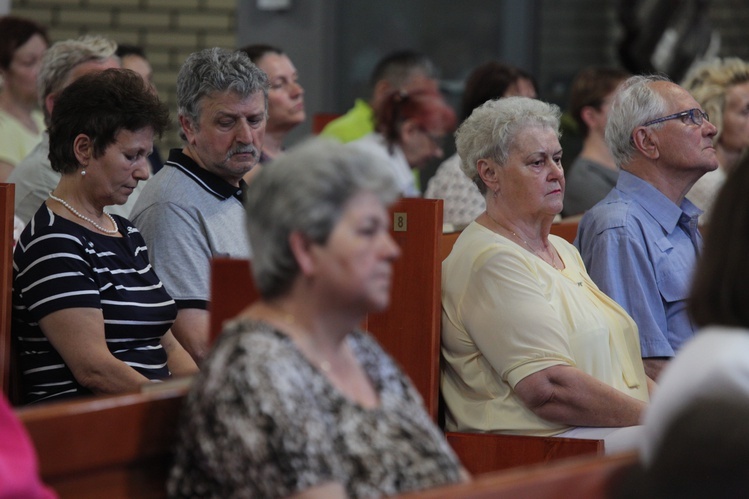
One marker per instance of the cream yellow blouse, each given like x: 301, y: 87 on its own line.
x: 507, y: 314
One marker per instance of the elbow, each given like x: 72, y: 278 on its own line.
x: 90, y: 378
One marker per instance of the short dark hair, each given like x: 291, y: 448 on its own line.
x: 15, y: 32
x: 398, y: 66
x: 590, y: 87
x: 100, y: 105
x: 256, y: 51
x: 489, y: 81
x: 124, y: 50
x: 720, y: 290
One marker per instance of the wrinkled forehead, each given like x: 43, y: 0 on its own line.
x: 231, y: 102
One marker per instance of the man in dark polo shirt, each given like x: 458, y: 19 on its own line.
x: 192, y: 209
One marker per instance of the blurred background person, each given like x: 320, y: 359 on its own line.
x: 409, y: 131
x: 134, y: 58
x: 403, y: 70
x: 63, y: 63
x: 294, y: 399
x: 721, y: 87
x: 90, y: 313
x: 530, y: 345
x: 22, y: 46
x: 593, y: 173
x: 463, y: 201
x: 285, y: 98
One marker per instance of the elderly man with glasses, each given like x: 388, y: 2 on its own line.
x: 641, y: 242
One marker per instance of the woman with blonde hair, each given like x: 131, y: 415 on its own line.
x: 721, y: 87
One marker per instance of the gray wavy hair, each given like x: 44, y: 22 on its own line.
x: 216, y: 70
x: 64, y: 56
x: 306, y: 190
x: 490, y: 129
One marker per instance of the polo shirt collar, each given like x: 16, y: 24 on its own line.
x: 209, y: 181
x: 653, y: 201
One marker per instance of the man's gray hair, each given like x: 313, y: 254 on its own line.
x: 489, y: 131
x: 306, y: 190
x: 62, y: 57
x: 635, y: 102
x: 216, y: 70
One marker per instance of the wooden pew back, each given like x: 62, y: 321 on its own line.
x: 115, y: 447
x: 590, y: 477
x: 409, y: 329
x: 7, y: 192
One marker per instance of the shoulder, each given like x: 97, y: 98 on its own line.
x: 616, y: 210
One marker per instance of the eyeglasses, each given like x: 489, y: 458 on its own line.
x: 696, y: 116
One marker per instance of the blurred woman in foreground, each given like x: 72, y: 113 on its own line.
x: 295, y: 399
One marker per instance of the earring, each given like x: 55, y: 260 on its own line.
x: 83, y: 172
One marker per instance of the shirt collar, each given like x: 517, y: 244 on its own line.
x: 653, y: 201
x: 207, y: 180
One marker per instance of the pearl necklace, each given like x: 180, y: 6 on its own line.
x: 549, y: 254
x: 84, y: 217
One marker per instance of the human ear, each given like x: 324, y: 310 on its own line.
x: 83, y: 148
x: 188, y: 127
x: 646, y: 142
x: 301, y: 248
x: 487, y: 170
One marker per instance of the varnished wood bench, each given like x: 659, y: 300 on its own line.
x: 115, y: 446
x: 590, y: 477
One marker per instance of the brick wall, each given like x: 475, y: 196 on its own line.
x: 169, y: 30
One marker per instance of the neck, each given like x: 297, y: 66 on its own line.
x: 18, y: 109
x: 534, y: 233
x: 69, y: 190
x: 595, y: 149
x: 674, y: 184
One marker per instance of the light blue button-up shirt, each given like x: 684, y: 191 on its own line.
x: 641, y: 249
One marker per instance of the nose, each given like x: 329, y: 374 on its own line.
x: 712, y: 130
x: 143, y: 171
x: 244, y: 133
x: 296, y: 89
x: 390, y: 248
x: 556, y: 171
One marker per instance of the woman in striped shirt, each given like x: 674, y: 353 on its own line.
x: 90, y: 315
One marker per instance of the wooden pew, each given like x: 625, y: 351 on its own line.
x: 590, y: 477
x: 566, y: 228
x: 447, y: 241
x: 410, y: 331
x: 7, y: 192
x: 115, y: 446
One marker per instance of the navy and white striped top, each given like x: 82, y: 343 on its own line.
x: 58, y: 264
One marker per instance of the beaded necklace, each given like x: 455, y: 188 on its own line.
x: 84, y: 217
